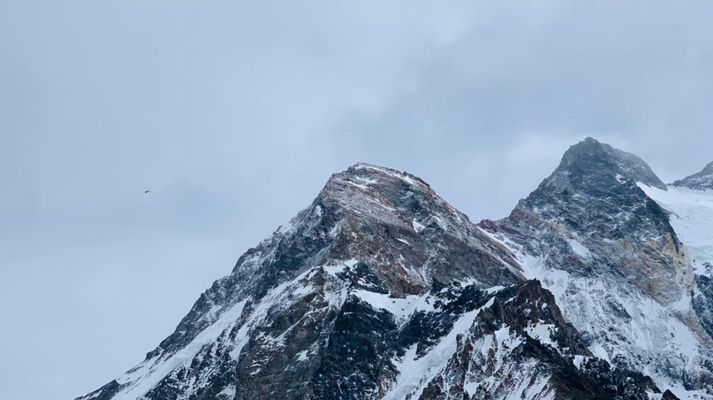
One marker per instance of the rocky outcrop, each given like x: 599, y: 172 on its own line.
x: 591, y: 204
x: 702, y: 180
x: 617, y: 267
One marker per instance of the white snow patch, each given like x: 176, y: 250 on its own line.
x: 579, y: 249
x: 494, y: 289
x: 367, y: 181
x: 578, y: 360
x: 555, y: 280
x: 505, y: 341
x: 471, y: 387
x: 691, y: 218
x: 302, y: 356
x: 543, y: 333
x: 339, y: 267
x: 400, y: 308
x: 417, y: 226
x: 404, y: 241
x: 357, y: 185
x: 228, y: 391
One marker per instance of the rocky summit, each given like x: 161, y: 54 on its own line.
x: 598, y: 285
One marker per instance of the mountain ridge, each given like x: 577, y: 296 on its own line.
x: 607, y: 249
x: 702, y: 180
x: 381, y: 289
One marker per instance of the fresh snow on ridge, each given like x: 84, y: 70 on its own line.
x: 415, y: 372
x: 401, y: 309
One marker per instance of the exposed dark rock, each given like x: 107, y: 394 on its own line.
x: 702, y: 180
x: 703, y: 302
x: 105, y: 392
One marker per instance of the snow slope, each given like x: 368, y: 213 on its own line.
x: 692, y: 219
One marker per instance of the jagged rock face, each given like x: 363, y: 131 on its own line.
x: 702, y: 180
x: 273, y: 328
x: 381, y: 290
x: 586, y: 165
x: 593, y: 191
x: 614, y: 262
x: 703, y: 302
x: 592, y: 204
x: 521, y: 345
x: 414, y: 230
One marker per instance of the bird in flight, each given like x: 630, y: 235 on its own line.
x: 146, y: 191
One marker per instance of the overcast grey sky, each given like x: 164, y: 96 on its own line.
x: 234, y: 114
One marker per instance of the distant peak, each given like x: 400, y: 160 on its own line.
x: 702, y: 180
x: 589, y: 145
x: 590, y: 141
x: 708, y: 169
x: 593, y: 157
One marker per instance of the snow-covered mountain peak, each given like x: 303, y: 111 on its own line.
x: 608, y: 252
x: 370, y: 191
x: 702, y: 180
x: 379, y: 289
x: 594, y: 193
